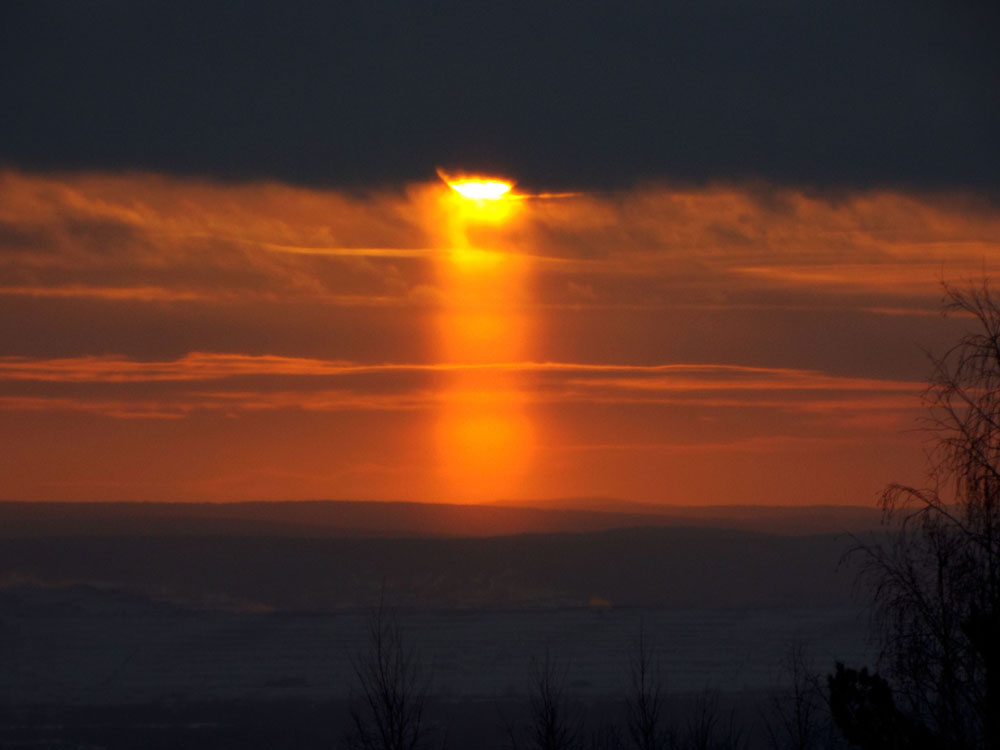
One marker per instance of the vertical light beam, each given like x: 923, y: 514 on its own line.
x: 484, y: 433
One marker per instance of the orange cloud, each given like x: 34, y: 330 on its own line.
x: 187, y: 239
x: 376, y: 387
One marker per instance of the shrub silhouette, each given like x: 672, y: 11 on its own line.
x: 796, y: 716
x: 644, y: 701
x: 553, y: 722
x: 864, y: 709
x: 387, y: 713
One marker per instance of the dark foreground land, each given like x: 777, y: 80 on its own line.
x: 306, y: 725
x: 220, y: 724
x: 160, y: 637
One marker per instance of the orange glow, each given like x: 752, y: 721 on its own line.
x: 689, y: 345
x: 485, y: 439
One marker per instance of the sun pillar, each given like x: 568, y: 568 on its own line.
x: 483, y: 433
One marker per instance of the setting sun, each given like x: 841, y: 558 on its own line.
x: 478, y: 188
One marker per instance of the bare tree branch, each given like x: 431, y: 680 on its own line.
x: 644, y: 702
x: 934, y: 580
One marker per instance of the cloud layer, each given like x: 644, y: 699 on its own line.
x: 176, y: 338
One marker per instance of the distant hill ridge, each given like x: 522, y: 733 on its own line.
x: 346, y: 518
x: 672, y: 567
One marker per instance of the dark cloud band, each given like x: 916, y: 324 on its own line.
x: 560, y: 95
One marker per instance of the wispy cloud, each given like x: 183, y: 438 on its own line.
x: 134, y: 293
x: 212, y: 366
x: 235, y: 383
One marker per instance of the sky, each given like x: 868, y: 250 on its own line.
x: 230, y: 268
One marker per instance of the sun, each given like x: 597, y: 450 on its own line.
x: 481, y: 190
x: 477, y: 187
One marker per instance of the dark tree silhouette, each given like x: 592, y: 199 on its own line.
x: 387, y: 713
x: 935, y: 580
x: 707, y: 729
x: 863, y: 708
x: 608, y: 737
x: 553, y: 727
